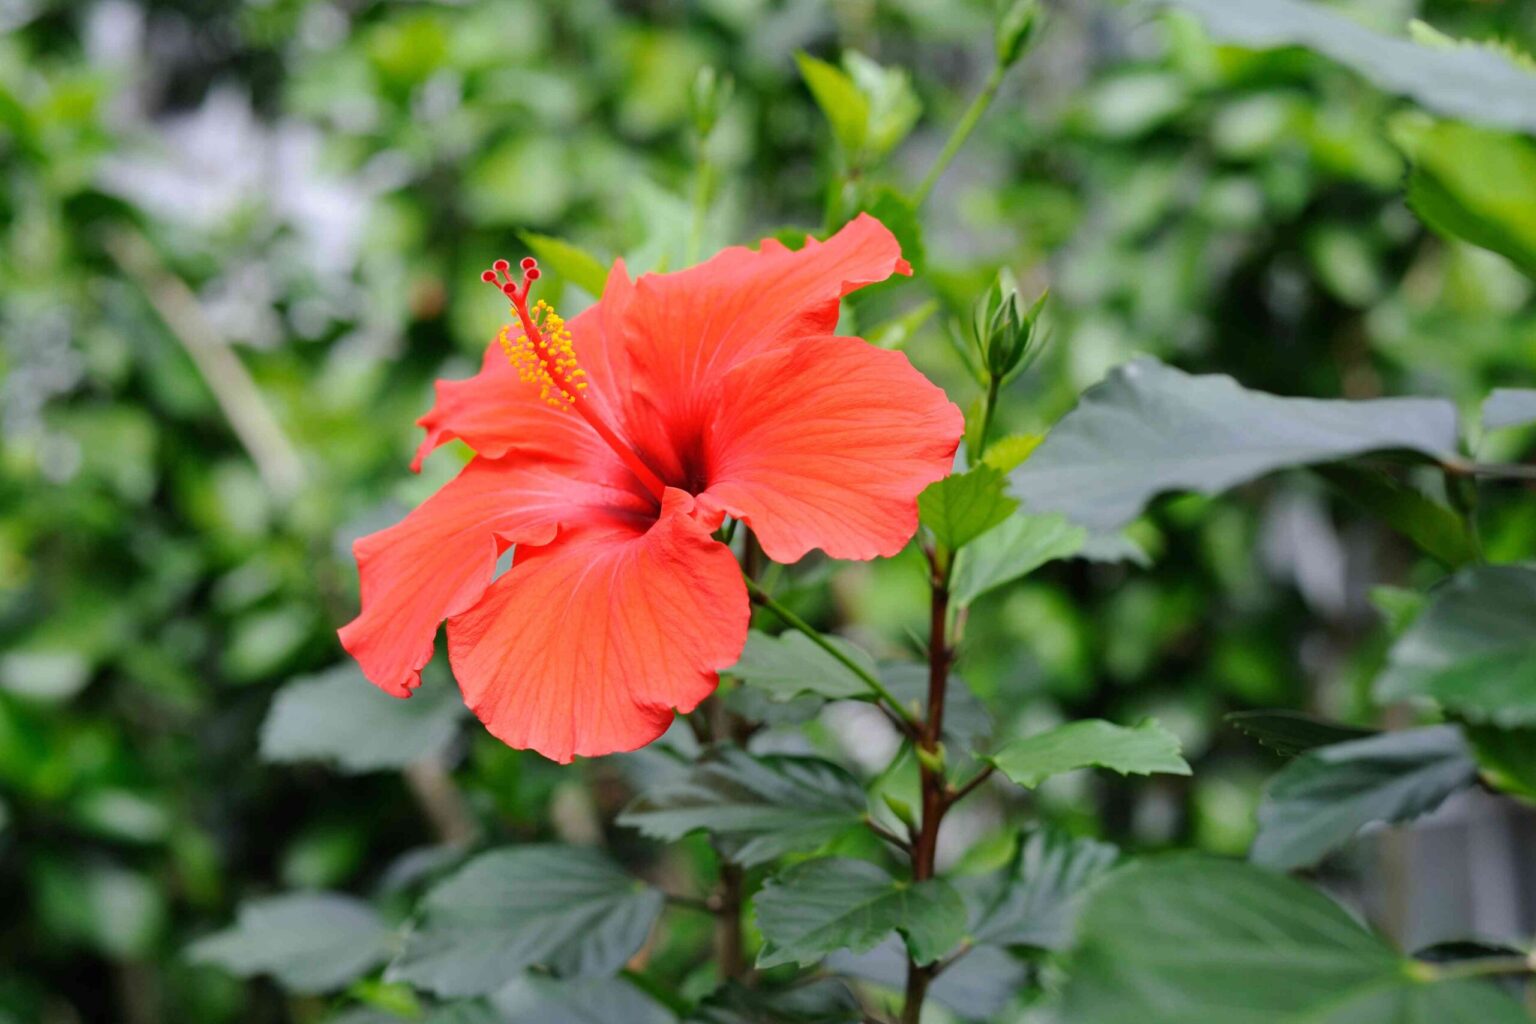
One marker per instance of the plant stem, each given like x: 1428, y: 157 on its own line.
x: 935, y: 787
x: 993, y: 386
x: 1484, y: 967
x: 765, y: 599
x: 729, y: 954
x: 962, y: 131
x: 703, y: 192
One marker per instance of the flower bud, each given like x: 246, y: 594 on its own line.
x: 1003, y: 330
x: 1015, y: 29
x: 710, y: 93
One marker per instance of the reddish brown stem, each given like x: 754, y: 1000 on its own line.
x: 935, y: 788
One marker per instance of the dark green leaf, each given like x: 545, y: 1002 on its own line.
x: 1149, y: 428
x: 820, y: 1001
x: 1509, y: 407
x: 339, y: 716
x: 1323, y: 798
x: 1473, y: 648
x: 1470, y: 83
x: 566, y: 908
x: 1013, y: 550
x: 1506, y: 758
x: 1197, y: 940
x: 1091, y: 743
x: 537, y: 999
x: 825, y: 905
x: 962, y: 507
x: 1289, y: 733
x: 790, y: 664
x: 309, y: 942
x: 756, y: 808
x: 1036, y: 899
x: 1435, y: 529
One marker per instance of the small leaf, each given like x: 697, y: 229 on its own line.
x: 309, y: 942
x: 1198, y: 940
x: 790, y: 664
x: 840, y: 100
x: 1007, y: 454
x: 758, y: 808
x: 1506, y: 758
x: 1469, y: 83
x: 1289, y: 733
x: 1035, y: 900
x: 825, y: 905
x: 575, y: 264
x: 569, y: 909
x: 962, y: 507
x: 1509, y: 407
x: 1323, y: 798
x: 1013, y: 550
x: 820, y: 1001
x: 339, y: 716
x: 893, y: 106
x: 1472, y: 183
x: 1149, y: 429
x: 1472, y: 649
x: 1092, y: 743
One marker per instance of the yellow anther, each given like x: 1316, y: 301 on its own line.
x: 548, y: 359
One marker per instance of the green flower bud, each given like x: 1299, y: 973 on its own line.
x: 1015, y: 29
x: 1003, y: 331
x: 710, y: 93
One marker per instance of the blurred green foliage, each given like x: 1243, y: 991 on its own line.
x: 317, y: 184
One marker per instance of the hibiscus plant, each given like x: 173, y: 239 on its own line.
x: 637, y: 526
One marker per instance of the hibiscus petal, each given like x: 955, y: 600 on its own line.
x: 586, y: 646
x: 439, y: 560
x: 685, y: 330
x: 827, y: 445
x: 494, y: 412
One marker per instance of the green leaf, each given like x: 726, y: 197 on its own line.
x: 1013, y: 550
x: 1472, y: 649
x: 537, y: 999
x: 1469, y: 83
x: 309, y: 941
x: 1473, y: 184
x: 339, y: 716
x: 1149, y: 428
x: 900, y: 329
x: 1506, y: 758
x: 1433, y: 528
x: 1035, y: 900
x: 893, y: 106
x: 840, y: 100
x: 1289, y: 733
x: 820, y: 1001
x: 790, y: 664
x: 1007, y: 454
x: 826, y: 905
x: 1198, y: 940
x: 1319, y: 801
x: 575, y: 264
x: 757, y: 808
x: 567, y: 908
x: 1509, y: 407
x: 1092, y: 743
x: 962, y: 507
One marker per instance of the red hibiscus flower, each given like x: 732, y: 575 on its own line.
x: 607, y: 451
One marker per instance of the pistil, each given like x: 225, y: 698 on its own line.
x: 546, y: 356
